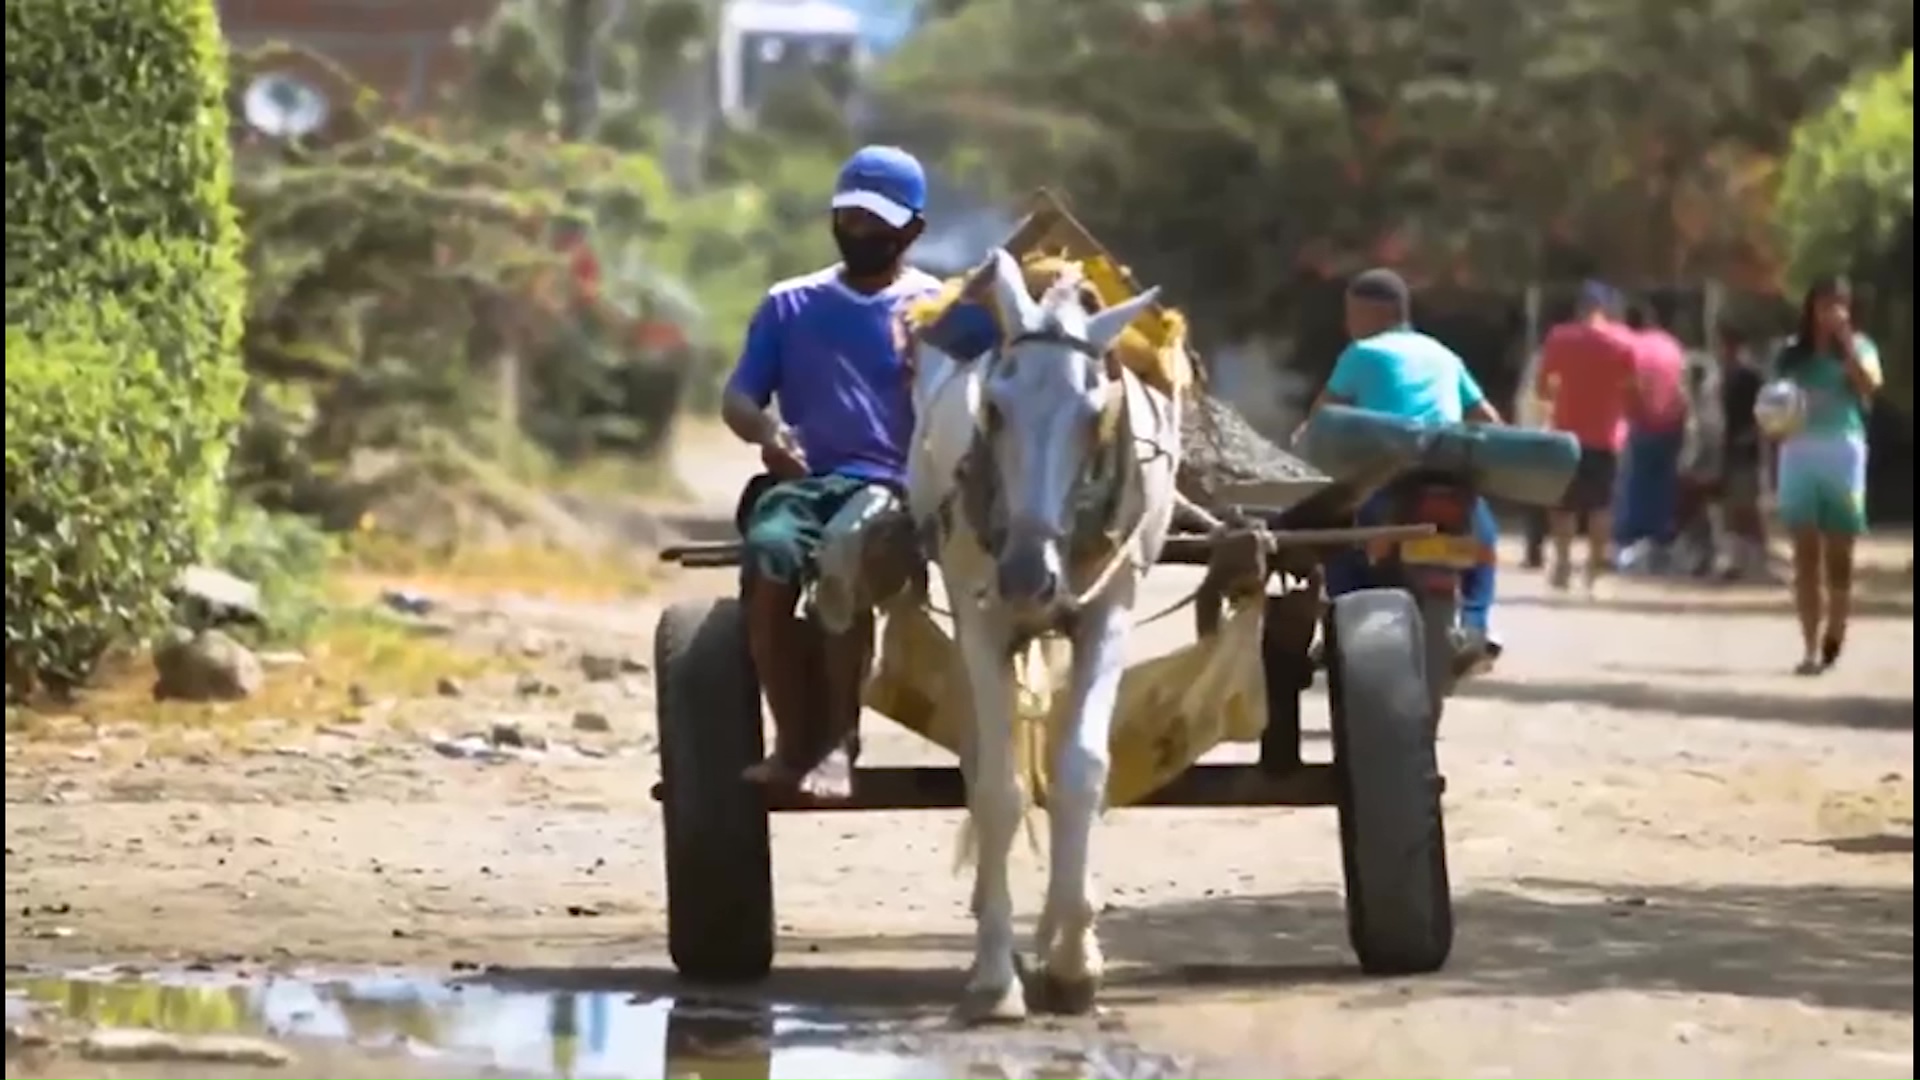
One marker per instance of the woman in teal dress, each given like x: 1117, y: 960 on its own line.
x: 1822, y: 472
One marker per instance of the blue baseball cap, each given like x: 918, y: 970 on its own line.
x: 885, y: 181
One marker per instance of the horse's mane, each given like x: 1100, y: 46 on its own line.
x: 1159, y: 360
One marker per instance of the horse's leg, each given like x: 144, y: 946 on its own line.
x: 1067, y: 942
x: 995, y: 804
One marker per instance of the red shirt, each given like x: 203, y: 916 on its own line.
x: 1662, y: 370
x: 1588, y: 370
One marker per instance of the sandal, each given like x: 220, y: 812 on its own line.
x: 1830, y: 652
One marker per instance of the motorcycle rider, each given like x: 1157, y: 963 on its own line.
x: 1389, y: 367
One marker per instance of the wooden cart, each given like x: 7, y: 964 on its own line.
x: 1384, y: 779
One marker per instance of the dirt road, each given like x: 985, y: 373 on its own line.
x: 1672, y: 858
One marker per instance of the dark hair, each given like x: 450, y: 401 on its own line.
x: 1383, y: 286
x: 1731, y: 334
x: 1639, y: 315
x: 1805, y: 343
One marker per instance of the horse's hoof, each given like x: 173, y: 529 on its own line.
x: 1065, y: 996
x: 984, y: 1005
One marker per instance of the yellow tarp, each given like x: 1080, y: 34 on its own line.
x: 1154, y: 347
x: 1171, y: 709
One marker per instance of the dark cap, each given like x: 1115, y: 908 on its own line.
x: 1381, y: 285
x: 1598, y: 296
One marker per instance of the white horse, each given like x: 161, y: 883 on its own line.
x: 1044, y: 474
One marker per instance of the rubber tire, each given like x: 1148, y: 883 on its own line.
x: 719, y: 858
x: 1438, y: 614
x: 1393, y: 845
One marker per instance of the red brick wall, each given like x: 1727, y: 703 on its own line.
x: 401, y: 48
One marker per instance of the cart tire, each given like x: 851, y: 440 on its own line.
x: 720, y: 923
x: 1438, y: 613
x: 1392, y: 837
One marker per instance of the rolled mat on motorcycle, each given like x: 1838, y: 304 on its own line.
x: 1391, y: 471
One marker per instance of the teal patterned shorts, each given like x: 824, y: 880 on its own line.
x: 787, y: 525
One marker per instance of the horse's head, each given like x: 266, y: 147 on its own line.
x: 1053, y: 402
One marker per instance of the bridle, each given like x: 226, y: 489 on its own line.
x: 977, y: 486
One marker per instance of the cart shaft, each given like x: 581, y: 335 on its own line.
x: 934, y: 787
x: 1192, y: 549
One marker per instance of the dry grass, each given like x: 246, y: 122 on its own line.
x: 374, y: 561
x: 352, y: 657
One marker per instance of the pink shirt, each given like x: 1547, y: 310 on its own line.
x: 1587, y: 371
x: 1661, y: 367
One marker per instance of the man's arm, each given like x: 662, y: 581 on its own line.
x: 965, y: 331
x: 750, y: 389
x: 1348, y: 378
x: 1474, y: 405
x: 1342, y: 388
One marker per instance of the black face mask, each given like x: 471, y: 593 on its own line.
x: 868, y: 254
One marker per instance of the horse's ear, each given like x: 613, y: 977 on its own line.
x: 1104, y: 329
x: 1017, y: 309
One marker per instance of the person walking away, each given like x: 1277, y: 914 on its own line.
x: 1743, y: 470
x: 1823, y: 465
x: 1529, y: 411
x: 1695, y: 546
x: 826, y: 347
x: 1587, y: 378
x: 1646, y: 503
x: 1389, y: 367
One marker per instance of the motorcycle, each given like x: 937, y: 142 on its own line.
x: 1391, y: 471
x: 1434, y: 569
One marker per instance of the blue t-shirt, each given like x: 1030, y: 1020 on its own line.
x: 1407, y: 374
x: 831, y: 356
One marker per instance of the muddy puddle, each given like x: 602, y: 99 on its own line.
x: 183, y: 1024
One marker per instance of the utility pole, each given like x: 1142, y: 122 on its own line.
x: 579, y: 89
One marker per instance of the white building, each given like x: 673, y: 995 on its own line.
x: 763, y: 40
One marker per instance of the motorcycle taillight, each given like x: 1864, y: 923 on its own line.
x: 1447, y: 508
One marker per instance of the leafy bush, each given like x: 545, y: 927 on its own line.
x: 123, y: 288
x: 95, y: 531
x: 287, y: 556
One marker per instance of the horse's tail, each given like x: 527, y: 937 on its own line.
x: 1031, y: 715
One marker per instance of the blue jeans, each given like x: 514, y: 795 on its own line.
x: 1348, y: 569
x: 1648, y: 494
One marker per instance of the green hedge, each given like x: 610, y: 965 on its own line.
x: 124, y: 294
x: 94, y: 525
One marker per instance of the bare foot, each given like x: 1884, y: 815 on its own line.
x: 831, y: 780
x: 773, y: 772
x: 828, y: 780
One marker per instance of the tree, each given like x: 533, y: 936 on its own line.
x: 1846, y: 204
x: 752, y: 215
x: 1847, y: 194
x: 1240, y: 150
x: 395, y: 274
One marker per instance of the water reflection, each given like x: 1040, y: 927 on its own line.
x: 578, y: 1035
